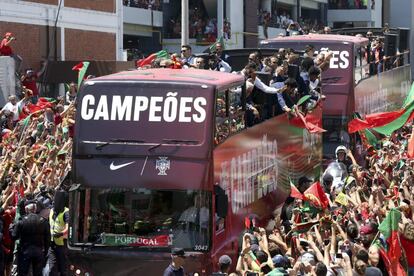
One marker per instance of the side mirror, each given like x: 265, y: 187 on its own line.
x: 221, y: 201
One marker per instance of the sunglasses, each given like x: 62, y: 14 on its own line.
x: 183, y: 51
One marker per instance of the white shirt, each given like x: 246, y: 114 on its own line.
x: 12, y: 108
x: 224, y: 66
x: 263, y: 87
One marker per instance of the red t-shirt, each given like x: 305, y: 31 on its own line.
x: 58, y: 119
x: 409, y: 250
x: 31, y: 84
x: 5, y: 50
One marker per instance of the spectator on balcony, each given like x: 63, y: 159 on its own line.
x: 266, y: 22
x: 226, y: 29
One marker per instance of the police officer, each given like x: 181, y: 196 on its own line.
x: 58, y: 220
x: 34, y: 235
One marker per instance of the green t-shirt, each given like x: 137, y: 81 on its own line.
x: 277, y: 272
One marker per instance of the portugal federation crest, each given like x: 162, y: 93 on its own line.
x: 162, y: 165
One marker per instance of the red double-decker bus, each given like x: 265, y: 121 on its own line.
x: 347, y: 83
x: 162, y: 159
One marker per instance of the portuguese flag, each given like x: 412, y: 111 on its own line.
x: 294, y: 192
x: 148, y: 60
x: 389, y: 229
x: 81, y: 67
x: 386, y: 122
x: 410, y: 148
x: 316, y: 196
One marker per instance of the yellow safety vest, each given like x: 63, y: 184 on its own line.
x: 57, y: 225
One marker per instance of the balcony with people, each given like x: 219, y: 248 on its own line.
x: 367, y: 13
x: 143, y: 12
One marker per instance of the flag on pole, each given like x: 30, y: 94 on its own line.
x: 148, y: 60
x: 294, y: 192
x: 389, y: 229
x: 213, y: 47
x: 316, y: 196
x: 81, y: 67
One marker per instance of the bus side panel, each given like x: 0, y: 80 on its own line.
x: 254, y: 167
x: 383, y: 92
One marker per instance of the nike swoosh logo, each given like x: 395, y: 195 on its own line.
x: 113, y: 167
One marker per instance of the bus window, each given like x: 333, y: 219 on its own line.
x: 143, y: 218
x: 229, y: 113
x: 361, y: 64
x: 236, y: 112
x: 222, y: 118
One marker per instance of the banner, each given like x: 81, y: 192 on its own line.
x: 132, y: 240
x: 383, y: 92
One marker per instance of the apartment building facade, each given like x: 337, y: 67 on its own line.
x: 63, y: 29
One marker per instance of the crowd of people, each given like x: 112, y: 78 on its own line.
x: 350, y: 4
x: 201, y: 26
x: 346, y: 231
x: 35, y: 160
x: 144, y: 4
x: 278, y: 20
x: 340, y: 233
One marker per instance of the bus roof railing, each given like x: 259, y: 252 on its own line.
x: 313, y: 38
x: 196, y: 76
x: 363, y: 31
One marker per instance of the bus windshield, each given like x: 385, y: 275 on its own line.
x: 142, y: 218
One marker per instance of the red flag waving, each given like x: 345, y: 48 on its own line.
x: 309, y: 122
x: 317, y: 196
x: 374, y: 120
x: 294, y: 192
x: 410, y: 149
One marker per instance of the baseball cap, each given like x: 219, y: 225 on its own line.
x: 261, y: 256
x: 225, y: 260
x: 178, y: 252
x: 279, y: 261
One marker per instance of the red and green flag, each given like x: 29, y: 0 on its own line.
x: 410, y: 147
x: 148, y: 60
x: 213, y: 47
x: 309, y: 121
x: 386, y: 122
x: 29, y: 109
x: 294, y: 192
x: 81, y: 67
x: 389, y: 229
x: 316, y: 196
